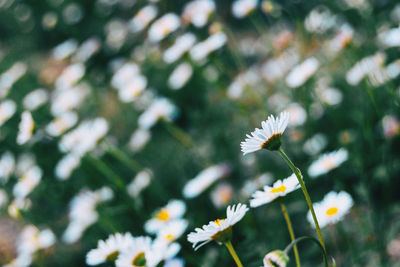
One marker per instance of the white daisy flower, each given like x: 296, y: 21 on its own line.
x: 173, y: 210
x: 276, y: 258
x: 201, y: 50
x: 160, y: 108
x: 171, y: 231
x: 331, y: 209
x: 10, y: 76
x: 139, y: 183
x: 182, y: 44
x: 279, y: 189
x: 7, y: 109
x: 70, y: 76
x: 26, y: 127
x: 35, y: 99
x: 163, y: 26
x: 3, y: 198
x: 198, y: 12
x: 109, y: 249
x: 66, y: 166
x: 7, y: 166
x: 62, y: 123
x: 269, y: 137
x: 180, y: 76
x: 142, y: 18
x: 222, y: 195
x: 139, y: 253
x: 327, y: 162
x: 242, y: 8
x: 27, y: 182
x: 139, y: 139
x: 205, y: 179
x: 219, y: 230
x: 301, y: 73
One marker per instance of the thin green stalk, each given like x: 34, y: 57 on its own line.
x: 293, y: 243
x: 104, y: 169
x: 291, y: 233
x: 121, y: 156
x: 179, y: 134
x: 233, y: 253
x: 297, y: 172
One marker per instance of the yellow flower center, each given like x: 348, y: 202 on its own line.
x: 279, y: 189
x: 218, y: 221
x: 163, y: 215
x: 170, y: 237
x: 332, y: 211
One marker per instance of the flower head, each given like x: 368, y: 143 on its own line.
x: 327, y: 162
x: 276, y: 258
x: 269, y: 137
x: 279, y: 189
x: 219, y: 230
x: 172, y: 211
x: 109, y: 249
x: 139, y: 253
x: 332, y: 208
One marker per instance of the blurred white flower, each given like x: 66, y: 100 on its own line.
x: 180, y: 76
x: 7, y: 109
x: 86, y: 50
x: 205, y: 179
x: 172, y: 211
x: 7, y: 166
x: 109, y: 249
x: 142, y: 18
x: 391, y: 126
x: 70, y: 76
x: 219, y: 230
x: 363, y: 67
x: 320, y: 20
x: 331, y: 209
x: 315, y: 144
x: 198, y: 12
x: 297, y: 114
x: 222, y: 195
x: 68, y: 99
x: 62, y: 123
x: 269, y: 137
x: 301, y: 73
x: 10, y: 76
x: 25, y: 129
x: 132, y: 89
x: 171, y: 231
x: 28, y: 182
x: 139, y: 183
x: 65, y: 49
x: 182, y: 44
x: 327, y: 162
x: 139, y: 139
x: 66, y: 166
x: 160, y: 108
x: 279, y: 189
x: 201, y: 50
x: 163, y: 26
x: 35, y: 99
x: 242, y: 8
x: 3, y: 198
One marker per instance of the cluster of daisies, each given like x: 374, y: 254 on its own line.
x: 167, y: 225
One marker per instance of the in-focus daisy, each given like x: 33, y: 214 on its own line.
x: 219, y: 230
x: 269, y: 137
x: 173, y: 210
x: 279, y: 189
x: 332, y: 208
x: 109, y: 249
x: 139, y: 253
x: 276, y: 258
x: 327, y: 162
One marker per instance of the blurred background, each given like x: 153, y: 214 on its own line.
x: 110, y: 107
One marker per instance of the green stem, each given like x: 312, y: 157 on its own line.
x: 291, y: 233
x: 297, y: 172
x: 104, y: 169
x: 179, y: 134
x: 233, y: 253
x: 121, y: 156
x: 293, y: 243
